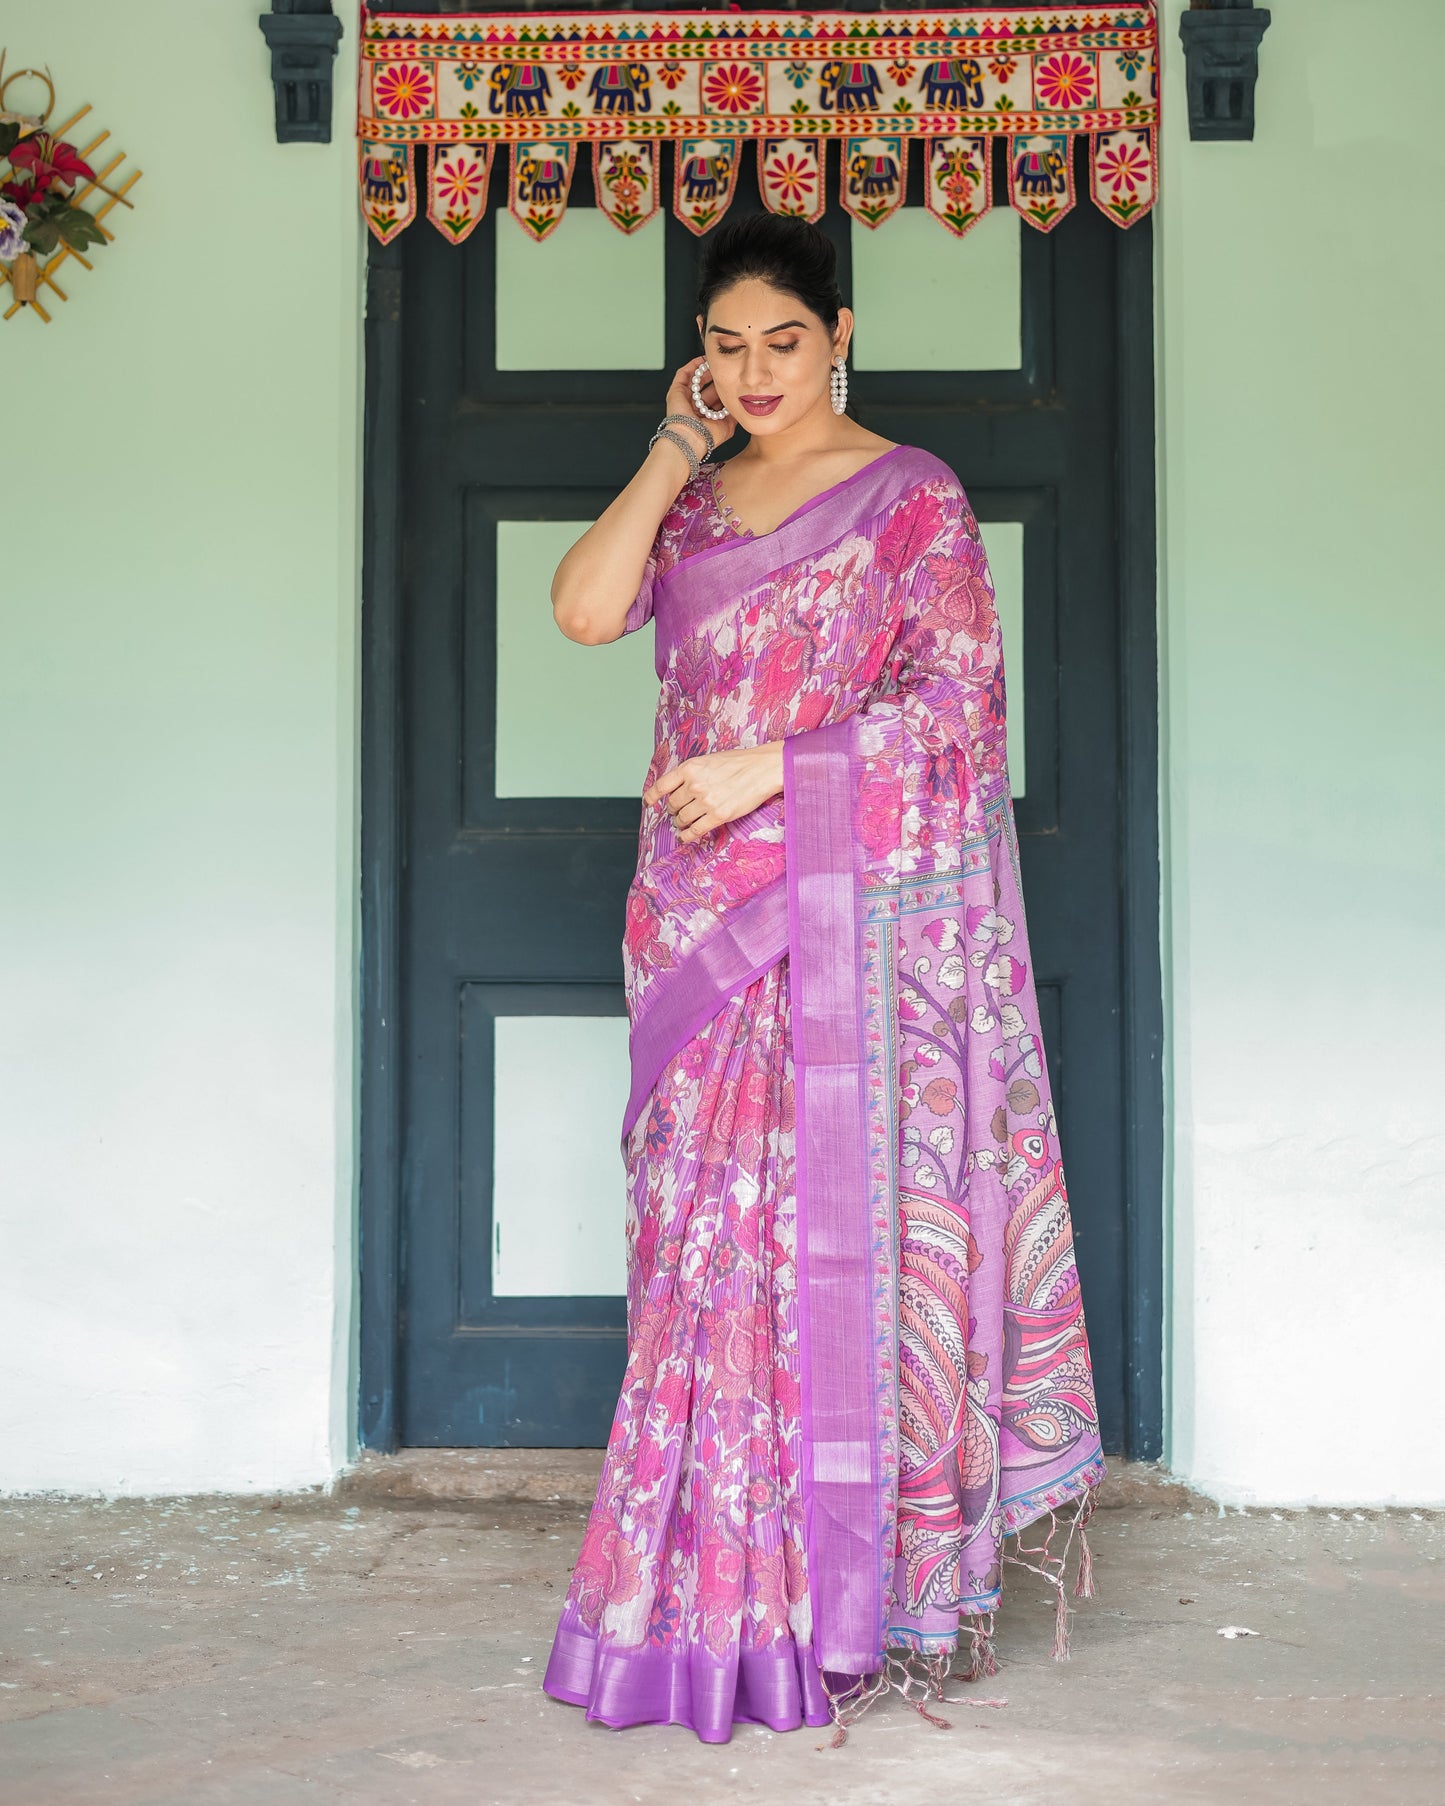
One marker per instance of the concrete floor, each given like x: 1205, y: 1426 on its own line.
x: 385, y: 1644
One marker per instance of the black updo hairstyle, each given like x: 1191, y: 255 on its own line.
x: 791, y: 255
x: 787, y: 254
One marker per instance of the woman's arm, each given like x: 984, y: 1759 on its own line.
x: 598, y: 580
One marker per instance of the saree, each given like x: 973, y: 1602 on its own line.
x: 858, y: 1370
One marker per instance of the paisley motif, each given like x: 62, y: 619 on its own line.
x: 1048, y: 1396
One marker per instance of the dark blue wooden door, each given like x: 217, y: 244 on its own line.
x: 506, y: 906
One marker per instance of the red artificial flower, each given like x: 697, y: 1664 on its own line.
x: 47, y: 162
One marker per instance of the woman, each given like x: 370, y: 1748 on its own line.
x: 857, y: 1357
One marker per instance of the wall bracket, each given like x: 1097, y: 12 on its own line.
x: 1221, y: 56
x: 303, y: 35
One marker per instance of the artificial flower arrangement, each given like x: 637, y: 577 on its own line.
x: 43, y: 181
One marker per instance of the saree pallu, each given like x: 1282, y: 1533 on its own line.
x: 857, y: 1360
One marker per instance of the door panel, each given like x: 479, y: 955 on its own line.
x: 595, y: 733
x: 557, y: 1208
x: 1003, y: 540
x: 522, y: 756
x: 960, y: 307
x: 547, y: 320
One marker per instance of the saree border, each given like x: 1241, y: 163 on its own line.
x: 751, y: 940
x: 842, y: 1270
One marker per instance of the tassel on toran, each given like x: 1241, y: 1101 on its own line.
x: 919, y: 1677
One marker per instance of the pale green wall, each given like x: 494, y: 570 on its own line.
x: 177, y: 777
x: 1301, y: 407
x: 177, y: 697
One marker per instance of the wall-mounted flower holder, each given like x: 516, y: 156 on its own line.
x: 53, y: 200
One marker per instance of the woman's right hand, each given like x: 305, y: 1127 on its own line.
x: 679, y: 401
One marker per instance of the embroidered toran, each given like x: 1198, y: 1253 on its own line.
x: 941, y: 86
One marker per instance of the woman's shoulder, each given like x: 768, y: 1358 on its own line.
x: 917, y: 468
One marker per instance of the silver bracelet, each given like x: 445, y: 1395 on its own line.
x: 692, y: 420
x: 666, y: 432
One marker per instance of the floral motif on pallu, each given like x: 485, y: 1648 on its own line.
x: 958, y: 181
x: 541, y: 177
x: 697, y: 77
x: 790, y: 176
x: 875, y: 174
x: 1041, y: 179
x: 626, y: 180
x: 953, y: 1322
x: 456, y: 190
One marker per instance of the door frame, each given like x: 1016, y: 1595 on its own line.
x: 382, y: 844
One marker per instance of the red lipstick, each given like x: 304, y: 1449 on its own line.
x: 760, y: 404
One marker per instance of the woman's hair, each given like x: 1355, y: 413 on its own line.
x: 791, y: 255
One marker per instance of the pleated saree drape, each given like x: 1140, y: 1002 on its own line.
x: 857, y: 1357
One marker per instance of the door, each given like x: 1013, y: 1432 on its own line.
x: 524, y: 382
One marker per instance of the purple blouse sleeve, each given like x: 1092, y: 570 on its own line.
x: 667, y: 546
x: 640, y: 613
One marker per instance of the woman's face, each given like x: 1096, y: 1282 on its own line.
x: 769, y: 355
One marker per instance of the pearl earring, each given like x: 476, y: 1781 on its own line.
x: 697, y: 400
x: 838, y: 385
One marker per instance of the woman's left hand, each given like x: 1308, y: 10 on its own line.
x: 714, y: 788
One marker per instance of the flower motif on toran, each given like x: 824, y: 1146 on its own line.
x: 958, y: 185
x: 459, y: 183
x: 1065, y: 81
x: 733, y: 88
x: 793, y: 178
x: 402, y: 90
x: 1124, y: 166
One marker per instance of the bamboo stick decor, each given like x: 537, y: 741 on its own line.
x: 55, y: 198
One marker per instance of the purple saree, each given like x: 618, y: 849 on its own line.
x: 856, y: 1360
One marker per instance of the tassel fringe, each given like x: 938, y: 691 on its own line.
x: 1052, y: 1568
x: 918, y: 1677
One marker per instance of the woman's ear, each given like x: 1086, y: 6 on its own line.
x: 701, y: 339
x: 843, y: 332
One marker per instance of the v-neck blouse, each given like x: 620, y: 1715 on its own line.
x: 700, y: 519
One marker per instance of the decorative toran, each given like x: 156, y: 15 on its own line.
x: 946, y: 83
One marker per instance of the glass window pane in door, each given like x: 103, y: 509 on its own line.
x: 571, y: 720
x: 1003, y: 540
x: 586, y: 298
x: 558, y: 1184
x: 925, y: 300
